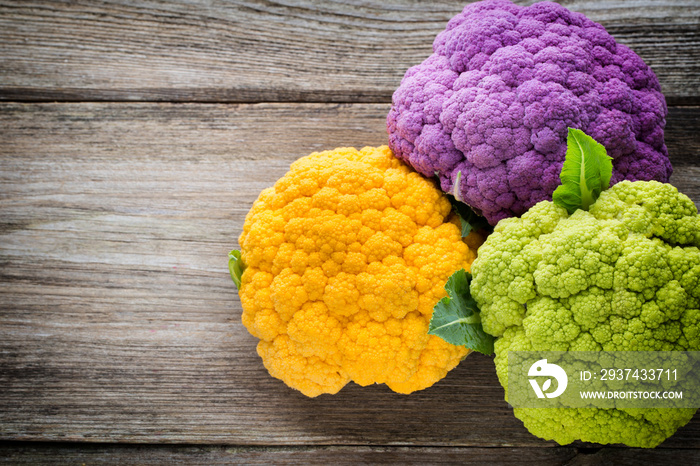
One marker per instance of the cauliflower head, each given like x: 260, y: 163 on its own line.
x: 345, y: 258
x: 494, y: 100
x: 624, y: 276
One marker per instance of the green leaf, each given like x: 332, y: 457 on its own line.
x: 585, y: 174
x: 236, y: 267
x: 469, y: 219
x: 456, y: 318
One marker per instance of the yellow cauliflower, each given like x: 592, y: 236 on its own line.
x: 344, y: 259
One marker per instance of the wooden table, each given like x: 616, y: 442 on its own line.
x: 135, y: 136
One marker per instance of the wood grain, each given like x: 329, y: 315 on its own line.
x: 118, y: 320
x: 297, y: 50
x: 50, y: 454
x: 38, y: 454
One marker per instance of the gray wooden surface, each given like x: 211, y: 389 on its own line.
x: 134, y: 138
x: 258, y: 50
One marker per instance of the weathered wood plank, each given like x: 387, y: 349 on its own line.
x: 48, y: 454
x: 38, y: 454
x: 631, y: 456
x: 258, y: 50
x: 118, y: 321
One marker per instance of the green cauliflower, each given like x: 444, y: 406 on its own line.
x: 623, y: 276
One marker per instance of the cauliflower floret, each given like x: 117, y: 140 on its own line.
x: 495, y: 99
x: 346, y: 257
x: 624, y: 276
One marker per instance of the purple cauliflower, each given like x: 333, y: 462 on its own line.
x: 488, y: 111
